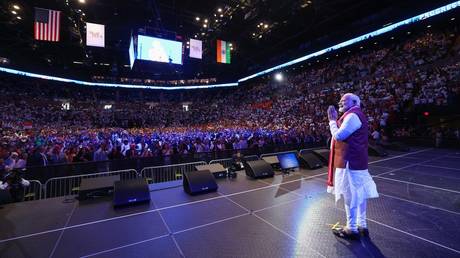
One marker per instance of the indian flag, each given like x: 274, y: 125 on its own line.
x: 223, y: 52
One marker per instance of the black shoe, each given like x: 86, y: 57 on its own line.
x: 363, y: 231
x: 345, y: 233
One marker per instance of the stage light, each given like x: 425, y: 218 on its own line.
x: 219, y: 10
x: 19, y: 18
x: 14, y: 12
x: 426, y: 113
x: 266, y: 26
x: 230, y: 44
x: 197, y: 18
x: 221, y: 15
x: 205, y: 25
x: 278, y: 77
x: 16, y: 7
x: 429, y: 26
x: 452, y: 19
x: 205, y: 20
x: 82, y: 1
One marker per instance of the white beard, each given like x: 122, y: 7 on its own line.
x: 344, y: 109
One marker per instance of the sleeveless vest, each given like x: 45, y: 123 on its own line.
x: 353, y: 149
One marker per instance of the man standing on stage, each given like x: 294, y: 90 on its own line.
x: 348, y: 173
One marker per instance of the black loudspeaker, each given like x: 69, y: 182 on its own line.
x: 199, y: 182
x: 131, y: 192
x: 216, y: 169
x: 5, y: 197
x: 95, y: 187
x: 310, y: 160
x: 376, y: 150
x: 323, y: 155
x: 258, y: 169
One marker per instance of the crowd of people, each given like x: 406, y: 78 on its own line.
x: 45, y: 122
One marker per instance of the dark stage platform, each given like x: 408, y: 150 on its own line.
x: 417, y: 215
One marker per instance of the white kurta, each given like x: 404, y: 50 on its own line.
x: 354, y: 185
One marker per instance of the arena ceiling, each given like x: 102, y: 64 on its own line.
x: 262, y: 32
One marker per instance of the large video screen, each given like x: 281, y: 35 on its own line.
x: 159, y: 50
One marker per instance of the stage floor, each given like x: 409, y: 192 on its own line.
x: 416, y: 215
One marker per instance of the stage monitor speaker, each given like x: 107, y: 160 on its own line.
x: 96, y: 187
x: 323, y: 155
x: 310, y: 160
x: 258, y: 169
x: 5, y: 197
x: 131, y: 191
x: 216, y: 169
x: 199, y: 182
x: 376, y: 150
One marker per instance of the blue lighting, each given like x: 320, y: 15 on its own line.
x: 133, y: 86
x: 388, y: 28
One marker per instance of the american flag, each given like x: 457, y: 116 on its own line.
x: 46, y: 24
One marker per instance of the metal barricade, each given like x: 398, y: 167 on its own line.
x: 167, y: 173
x: 277, y: 153
x: 33, y: 191
x: 308, y: 150
x: 228, y: 162
x: 251, y: 157
x: 224, y: 162
x: 70, y: 185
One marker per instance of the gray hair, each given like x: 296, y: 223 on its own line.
x: 354, y: 98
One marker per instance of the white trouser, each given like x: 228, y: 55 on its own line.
x: 356, y: 216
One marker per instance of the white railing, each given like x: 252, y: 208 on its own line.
x: 70, y: 185
x: 167, y: 173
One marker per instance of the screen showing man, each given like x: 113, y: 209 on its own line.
x: 159, y: 50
